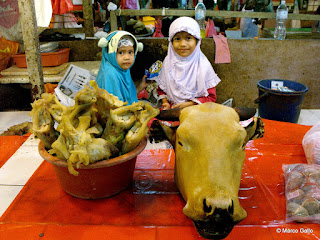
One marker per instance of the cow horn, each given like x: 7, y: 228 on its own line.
x: 245, y: 112
x: 174, y: 113
x: 169, y: 115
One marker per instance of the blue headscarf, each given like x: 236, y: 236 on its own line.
x: 111, y: 76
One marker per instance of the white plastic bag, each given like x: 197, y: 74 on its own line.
x: 10, y: 26
x: 43, y: 12
x: 311, y: 144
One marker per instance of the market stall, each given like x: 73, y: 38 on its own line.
x: 152, y: 207
x: 246, y: 67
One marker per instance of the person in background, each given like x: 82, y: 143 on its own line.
x: 118, y: 55
x: 186, y: 77
x: 249, y: 26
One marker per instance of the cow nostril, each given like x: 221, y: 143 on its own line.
x: 180, y: 144
x: 231, y: 208
x: 218, y: 218
x: 206, y: 208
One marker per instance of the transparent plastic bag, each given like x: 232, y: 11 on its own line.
x: 130, y: 4
x: 302, y: 191
x: 311, y: 144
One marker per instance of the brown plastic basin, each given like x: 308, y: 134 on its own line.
x: 97, y: 180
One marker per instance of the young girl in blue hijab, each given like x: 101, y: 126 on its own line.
x: 118, y: 55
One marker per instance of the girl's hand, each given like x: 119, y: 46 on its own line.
x: 184, y: 104
x: 165, y: 106
x: 142, y: 85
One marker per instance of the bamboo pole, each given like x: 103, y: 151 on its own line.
x: 31, y: 44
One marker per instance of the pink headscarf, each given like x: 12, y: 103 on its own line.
x: 186, y: 78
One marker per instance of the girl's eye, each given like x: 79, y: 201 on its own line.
x: 120, y: 52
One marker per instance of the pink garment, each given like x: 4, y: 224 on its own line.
x: 130, y: 4
x: 210, y: 29
x: 186, y: 78
x: 212, y: 97
x: 61, y: 6
x: 222, y: 49
x: 158, y: 26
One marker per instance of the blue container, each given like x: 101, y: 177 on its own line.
x: 279, y: 105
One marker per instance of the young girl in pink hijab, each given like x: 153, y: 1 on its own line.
x: 186, y: 77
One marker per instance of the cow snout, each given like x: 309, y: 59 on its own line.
x: 219, y: 221
x: 219, y: 224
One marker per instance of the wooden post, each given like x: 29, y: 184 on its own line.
x: 31, y: 44
x: 88, y: 18
x: 113, y: 21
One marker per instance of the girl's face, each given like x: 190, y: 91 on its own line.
x: 184, y: 43
x: 125, y: 57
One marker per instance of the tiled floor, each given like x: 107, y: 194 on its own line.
x: 18, y: 169
x: 309, y: 117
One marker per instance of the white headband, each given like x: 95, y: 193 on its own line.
x: 103, y: 42
x: 125, y: 42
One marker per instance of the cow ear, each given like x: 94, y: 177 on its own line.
x: 255, y: 129
x: 160, y: 132
x: 170, y: 132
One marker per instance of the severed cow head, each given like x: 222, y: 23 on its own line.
x: 210, y: 152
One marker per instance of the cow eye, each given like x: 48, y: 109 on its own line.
x: 184, y: 145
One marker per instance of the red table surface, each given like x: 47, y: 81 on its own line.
x: 152, y: 208
x: 9, y: 145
